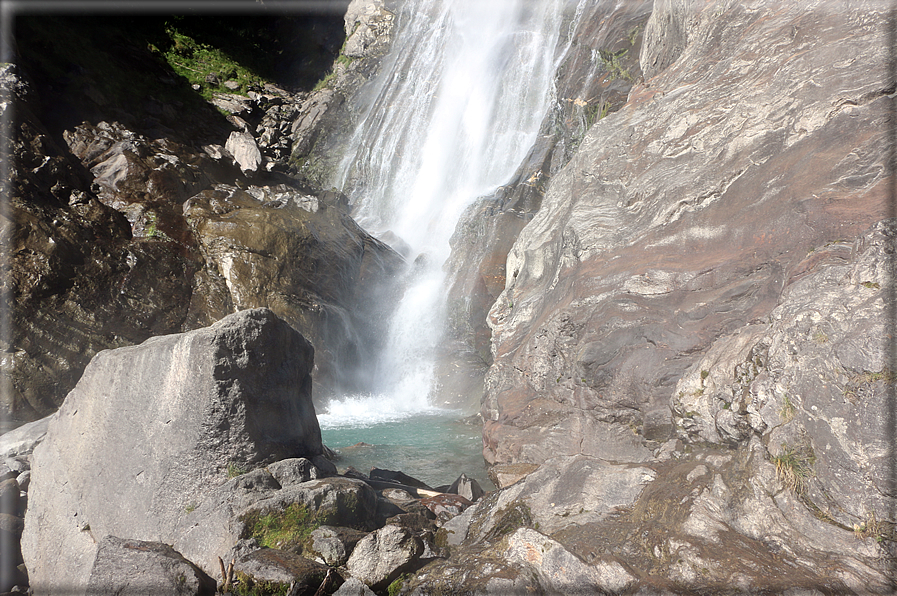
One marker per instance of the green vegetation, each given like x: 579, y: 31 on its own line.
x: 884, y: 374
x: 197, y: 61
x: 247, y: 586
x: 281, y: 529
x: 151, y: 229
x: 786, y: 412
x: 794, y: 467
x: 596, y: 112
x: 872, y: 285
x: 613, y: 64
x: 861, y: 383
x: 235, y: 469
x: 125, y: 64
x: 396, y: 586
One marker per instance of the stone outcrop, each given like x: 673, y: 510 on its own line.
x: 308, y: 261
x: 327, y: 116
x: 103, y: 253
x: 704, y: 293
x: 157, y: 425
x: 597, y: 71
x: 685, y: 216
x: 135, y: 567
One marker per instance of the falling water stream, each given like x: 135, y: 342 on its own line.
x: 455, y: 109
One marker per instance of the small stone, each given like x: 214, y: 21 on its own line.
x: 468, y: 488
x: 293, y: 471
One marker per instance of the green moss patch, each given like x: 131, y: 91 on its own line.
x: 247, y: 586
x: 287, y: 529
x: 196, y: 61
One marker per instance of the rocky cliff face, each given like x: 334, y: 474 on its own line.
x: 711, y: 271
x: 119, y: 230
x: 597, y: 71
x: 686, y: 216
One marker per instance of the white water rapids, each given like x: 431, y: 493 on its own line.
x: 456, y: 108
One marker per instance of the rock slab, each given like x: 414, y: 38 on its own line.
x: 158, y: 425
x: 135, y: 567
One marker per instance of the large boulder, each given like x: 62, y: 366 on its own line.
x: 157, y: 427
x: 276, y: 247
x: 382, y: 556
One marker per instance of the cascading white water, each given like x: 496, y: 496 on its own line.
x: 456, y: 108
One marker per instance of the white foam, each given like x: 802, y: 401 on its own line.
x: 364, y: 411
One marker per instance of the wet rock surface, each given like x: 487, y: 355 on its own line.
x: 699, y: 294
x: 594, y: 79
x: 646, y: 249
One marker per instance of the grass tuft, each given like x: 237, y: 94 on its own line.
x: 794, y: 467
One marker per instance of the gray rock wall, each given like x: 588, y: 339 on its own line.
x: 685, y: 216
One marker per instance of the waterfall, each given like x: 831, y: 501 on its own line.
x: 455, y: 109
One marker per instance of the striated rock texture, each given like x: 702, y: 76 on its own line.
x: 596, y: 73
x: 107, y: 251
x: 326, y: 116
x: 306, y: 260
x: 157, y: 426
x: 685, y: 216
x: 705, y: 294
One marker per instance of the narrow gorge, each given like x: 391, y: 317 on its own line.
x: 628, y: 266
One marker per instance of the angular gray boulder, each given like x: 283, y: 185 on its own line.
x: 150, y: 430
x: 135, y: 568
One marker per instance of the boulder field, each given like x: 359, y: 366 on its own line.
x: 189, y: 449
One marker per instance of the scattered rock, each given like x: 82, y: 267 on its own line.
x: 397, y: 476
x: 382, y: 556
x: 468, y: 488
x: 354, y: 587
x: 292, y: 471
x: 332, y: 545
x: 22, y: 440
x: 243, y: 147
x: 446, y: 506
x: 270, y: 567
